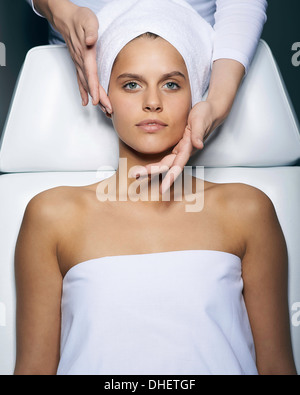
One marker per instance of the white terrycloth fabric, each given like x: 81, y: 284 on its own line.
x: 174, y: 20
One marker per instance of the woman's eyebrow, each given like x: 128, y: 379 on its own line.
x: 141, y: 78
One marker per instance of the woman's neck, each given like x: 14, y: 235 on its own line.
x: 129, y: 161
x: 123, y: 187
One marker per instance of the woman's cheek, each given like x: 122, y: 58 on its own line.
x: 181, y: 119
x: 180, y: 105
x: 127, y: 109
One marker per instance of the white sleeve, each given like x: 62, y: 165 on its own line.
x: 238, y: 27
x: 32, y: 5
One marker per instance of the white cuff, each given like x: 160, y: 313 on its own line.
x: 230, y: 53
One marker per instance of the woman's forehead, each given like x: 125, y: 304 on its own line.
x: 149, y: 53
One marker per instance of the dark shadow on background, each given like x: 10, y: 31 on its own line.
x: 20, y: 30
x: 281, y: 31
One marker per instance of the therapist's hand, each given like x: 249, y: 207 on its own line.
x: 201, y: 122
x: 79, y: 28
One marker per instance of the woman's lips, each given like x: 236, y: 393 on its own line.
x: 151, y: 128
x: 151, y: 125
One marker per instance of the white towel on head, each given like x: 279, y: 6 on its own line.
x: 176, y: 21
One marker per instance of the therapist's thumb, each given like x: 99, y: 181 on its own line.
x: 91, y: 38
x: 196, y: 125
x: 91, y: 27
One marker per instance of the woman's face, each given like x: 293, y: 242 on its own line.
x: 149, y: 81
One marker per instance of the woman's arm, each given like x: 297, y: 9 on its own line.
x: 265, y: 275
x: 206, y: 116
x: 39, y: 287
x: 238, y: 27
x: 226, y: 77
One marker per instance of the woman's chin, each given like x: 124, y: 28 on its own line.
x: 154, y: 150
x: 155, y: 147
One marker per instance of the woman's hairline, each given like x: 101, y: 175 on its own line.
x: 143, y: 35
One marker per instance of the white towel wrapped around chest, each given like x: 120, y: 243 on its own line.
x: 176, y: 21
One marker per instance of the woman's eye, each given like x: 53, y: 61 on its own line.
x: 131, y: 86
x: 172, y: 85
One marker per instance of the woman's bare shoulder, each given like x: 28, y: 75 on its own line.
x: 239, y: 193
x: 241, y: 201
x: 56, y: 203
x: 51, y: 197
x: 249, y: 198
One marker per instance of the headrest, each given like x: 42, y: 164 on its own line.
x: 47, y: 128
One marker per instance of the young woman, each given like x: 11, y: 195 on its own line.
x: 144, y: 287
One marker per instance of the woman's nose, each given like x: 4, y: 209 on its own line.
x: 152, y: 101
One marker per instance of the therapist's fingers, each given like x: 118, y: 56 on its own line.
x: 99, y: 98
x: 78, y: 59
x: 79, y: 27
x: 105, y: 103
x: 172, y: 164
x: 90, y: 26
x: 202, y: 121
x: 83, y: 91
x: 81, y: 38
x: 84, y: 84
x: 162, y: 166
x: 199, y: 132
x: 184, y: 151
x: 89, y: 68
x: 97, y: 92
x: 153, y: 168
x: 91, y: 74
